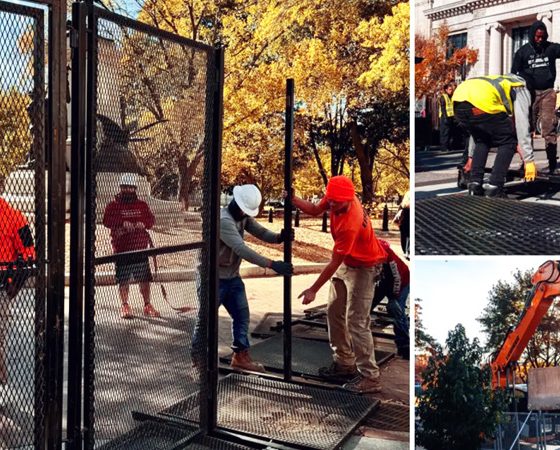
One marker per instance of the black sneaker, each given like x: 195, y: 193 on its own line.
x: 491, y: 190
x: 475, y: 189
x: 338, y: 371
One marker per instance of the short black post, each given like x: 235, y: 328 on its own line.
x: 270, y: 215
x: 385, y: 218
x: 324, y: 225
x: 296, y: 221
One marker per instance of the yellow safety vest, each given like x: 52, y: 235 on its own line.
x: 448, y: 106
x: 491, y: 94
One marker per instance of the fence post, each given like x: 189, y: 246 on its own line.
x: 270, y: 215
x: 324, y: 225
x: 385, y: 218
x: 296, y: 221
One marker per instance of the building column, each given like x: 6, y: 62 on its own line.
x: 495, y: 54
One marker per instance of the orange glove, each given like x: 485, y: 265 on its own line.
x: 530, y: 171
x: 467, y: 167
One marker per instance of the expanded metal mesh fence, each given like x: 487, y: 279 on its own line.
x: 465, y: 225
x: 22, y: 226
x: 150, y: 208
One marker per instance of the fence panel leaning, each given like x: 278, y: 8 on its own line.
x: 148, y: 216
x: 22, y: 227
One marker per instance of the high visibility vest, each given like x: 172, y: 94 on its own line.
x: 491, y: 94
x: 448, y: 106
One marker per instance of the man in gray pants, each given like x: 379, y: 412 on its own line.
x: 235, y: 219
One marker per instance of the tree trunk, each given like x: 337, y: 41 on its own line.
x: 317, y: 158
x: 366, y: 165
x: 187, y: 169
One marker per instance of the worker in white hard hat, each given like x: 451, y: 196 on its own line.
x: 235, y: 219
x: 129, y: 218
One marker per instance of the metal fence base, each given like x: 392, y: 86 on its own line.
x: 283, y: 413
x: 464, y: 225
x: 307, y: 356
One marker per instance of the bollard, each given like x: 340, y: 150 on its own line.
x: 296, y: 220
x: 324, y: 225
x: 385, y: 218
x: 270, y: 215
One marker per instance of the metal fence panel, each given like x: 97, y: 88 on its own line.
x: 22, y: 187
x: 149, y: 218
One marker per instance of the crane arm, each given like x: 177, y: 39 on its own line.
x: 546, y: 286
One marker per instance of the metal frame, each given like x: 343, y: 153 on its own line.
x: 288, y: 151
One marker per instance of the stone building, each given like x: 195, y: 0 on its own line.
x: 497, y: 28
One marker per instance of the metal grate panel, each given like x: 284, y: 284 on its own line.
x: 283, y: 412
x: 464, y: 225
x: 307, y: 355
x: 390, y: 417
x: 22, y: 187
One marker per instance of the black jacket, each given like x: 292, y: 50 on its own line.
x: 537, y: 64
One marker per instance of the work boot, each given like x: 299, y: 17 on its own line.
x: 362, y: 385
x: 551, y: 156
x: 150, y: 311
x: 475, y: 188
x: 126, y: 311
x: 338, y: 371
x: 491, y: 190
x: 242, y: 361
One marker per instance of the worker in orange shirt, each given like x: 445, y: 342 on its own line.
x: 354, y: 267
x: 17, y: 254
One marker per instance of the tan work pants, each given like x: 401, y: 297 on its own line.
x: 348, y: 316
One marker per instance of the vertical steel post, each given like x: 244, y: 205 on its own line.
x: 56, y: 212
x: 78, y: 44
x: 39, y: 143
x: 288, y: 150
x: 211, y: 411
x: 90, y: 190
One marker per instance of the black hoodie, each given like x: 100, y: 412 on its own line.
x: 537, y: 63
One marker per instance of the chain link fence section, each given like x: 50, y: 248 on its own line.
x: 22, y: 226
x: 151, y: 222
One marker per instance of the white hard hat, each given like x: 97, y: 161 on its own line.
x: 129, y: 179
x: 248, y: 198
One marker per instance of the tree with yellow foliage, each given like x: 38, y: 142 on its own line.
x: 331, y: 52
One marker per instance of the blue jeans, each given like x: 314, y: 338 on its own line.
x: 233, y: 297
x: 396, y: 308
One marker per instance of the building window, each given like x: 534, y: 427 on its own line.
x: 456, y: 42
x: 519, y: 37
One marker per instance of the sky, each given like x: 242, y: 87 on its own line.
x: 456, y: 290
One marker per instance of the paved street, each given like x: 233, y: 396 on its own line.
x: 436, y: 175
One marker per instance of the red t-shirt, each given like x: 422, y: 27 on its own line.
x: 116, y: 213
x: 354, y: 236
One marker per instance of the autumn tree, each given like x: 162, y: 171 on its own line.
x: 506, y: 302
x: 15, y: 132
x: 438, y: 66
x: 330, y: 52
x: 458, y: 406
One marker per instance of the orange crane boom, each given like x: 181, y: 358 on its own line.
x: 546, y: 286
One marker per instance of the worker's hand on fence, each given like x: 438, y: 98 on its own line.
x: 283, y: 235
x: 530, y: 171
x: 308, y: 296
x: 468, y: 165
x: 282, y: 268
